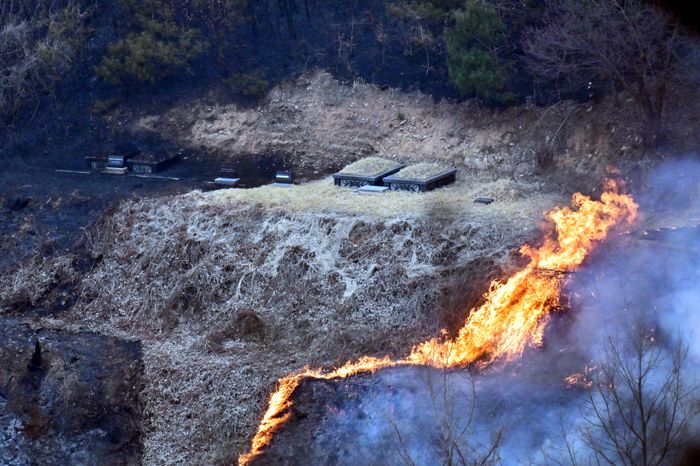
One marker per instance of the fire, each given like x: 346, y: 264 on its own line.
x: 515, y: 312
x: 513, y: 316
x: 581, y: 379
x: 280, y: 402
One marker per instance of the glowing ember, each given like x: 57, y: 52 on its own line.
x: 581, y: 379
x: 513, y: 316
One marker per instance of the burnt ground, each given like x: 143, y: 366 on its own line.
x: 412, y: 415
x: 416, y: 415
x: 78, y: 402
x: 44, y: 209
x: 68, y: 398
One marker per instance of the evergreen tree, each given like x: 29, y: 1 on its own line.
x: 474, y: 64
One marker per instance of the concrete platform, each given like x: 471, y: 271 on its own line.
x: 397, y: 183
x: 115, y: 171
x: 369, y: 189
x: 347, y: 180
x: 221, y: 181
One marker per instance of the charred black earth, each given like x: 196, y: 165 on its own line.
x: 68, y: 398
x: 416, y: 415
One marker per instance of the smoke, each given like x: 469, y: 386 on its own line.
x: 651, y: 274
x: 422, y: 415
x: 534, y: 409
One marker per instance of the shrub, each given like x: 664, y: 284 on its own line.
x: 38, y: 46
x: 436, y: 10
x: 160, y: 50
x: 248, y: 84
x: 219, y: 15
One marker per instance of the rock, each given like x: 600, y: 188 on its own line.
x: 75, y: 404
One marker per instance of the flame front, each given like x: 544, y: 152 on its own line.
x: 514, y: 314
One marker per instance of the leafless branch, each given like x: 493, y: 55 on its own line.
x: 639, y: 410
x: 631, y: 46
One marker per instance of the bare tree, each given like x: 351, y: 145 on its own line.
x: 454, y: 404
x: 629, y: 45
x: 639, y: 410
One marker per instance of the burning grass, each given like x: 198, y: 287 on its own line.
x: 513, y: 316
x: 231, y: 290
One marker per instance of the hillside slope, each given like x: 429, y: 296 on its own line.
x: 228, y: 291
x: 316, y: 125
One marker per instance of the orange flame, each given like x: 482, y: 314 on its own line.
x: 280, y: 401
x: 516, y: 312
x: 513, y: 316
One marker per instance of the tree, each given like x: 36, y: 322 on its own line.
x: 452, y: 410
x: 639, y: 411
x: 474, y: 46
x: 161, y: 38
x: 615, y: 45
x: 158, y: 51
x: 422, y: 23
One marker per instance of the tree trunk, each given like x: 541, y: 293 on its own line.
x: 653, y: 131
x: 652, y: 136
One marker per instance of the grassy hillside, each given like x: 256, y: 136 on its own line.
x: 228, y: 292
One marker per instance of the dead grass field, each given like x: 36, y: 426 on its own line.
x: 230, y: 290
x: 321, y: 125
x: 369, y: 166
x: 513, y: 199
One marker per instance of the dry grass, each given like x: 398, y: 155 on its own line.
x: 38, y: 45
x: 23, y: 288
x: 420, y: 171
x: 369, y: 166
x: 513, y: 200
x: 325, y: 125
x: 230, y: 290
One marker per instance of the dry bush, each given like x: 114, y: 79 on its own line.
x: 26, y: 286
x: 641, y: 411
x: 609, y: 46
x: 39, y: 42
x: 453, y: 404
